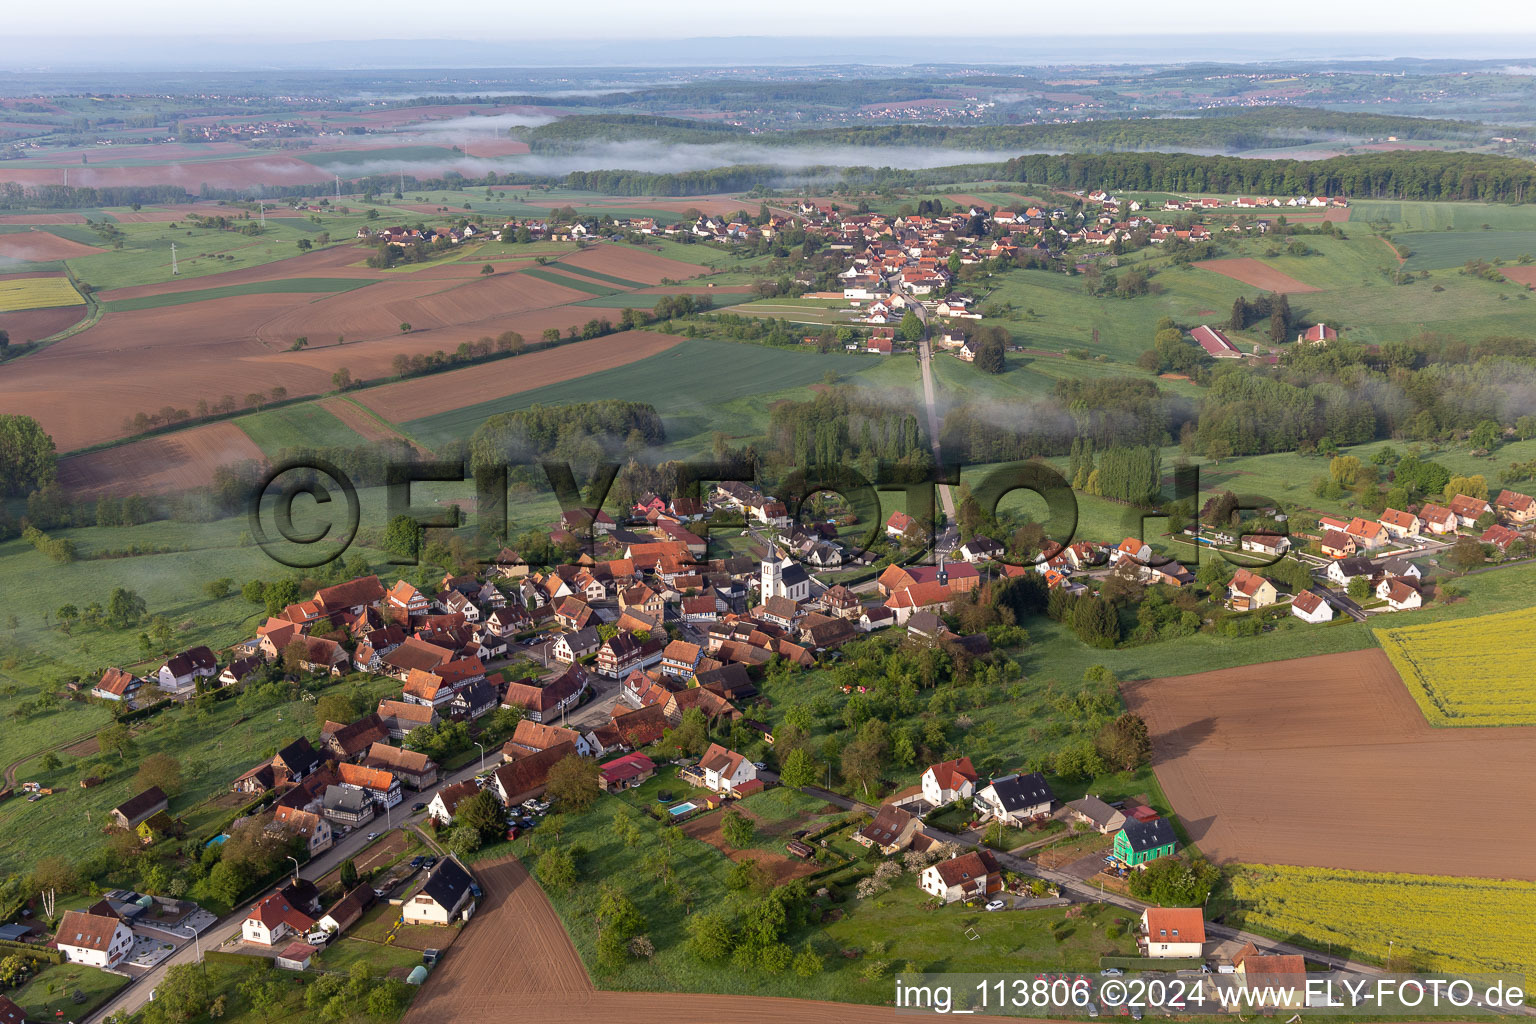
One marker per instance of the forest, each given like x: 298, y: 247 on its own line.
x: 583, y: 432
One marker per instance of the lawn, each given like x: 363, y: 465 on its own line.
x: 54, y: 987
x: 296, y: 285
x: 302, y: 425
x: 346, y: 951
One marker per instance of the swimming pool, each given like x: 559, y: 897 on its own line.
x: 682, y: 808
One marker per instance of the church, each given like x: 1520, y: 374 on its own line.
x: 784, y: 577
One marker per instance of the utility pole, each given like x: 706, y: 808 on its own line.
x: 482, y: 755
x: 338, y: 186
x: 295, y: 868
x: 174, y: 268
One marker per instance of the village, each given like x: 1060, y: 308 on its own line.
x: 606, y: 659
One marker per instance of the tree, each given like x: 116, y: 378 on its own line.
x: 54, y: 873
x: 1486, y: 435
x: 989, y: 355
x: 737, y: 829
x: 1466, y: 553
x: 1124, y: 742
x: 487, y: 270
x: 50, y: 762
x: 402, y: 537
x: 27, y: 457
x: 115, y: 739
x: 1359, y: 588
x: 161, y: 770
x: 125, y: 608
x: 219, y: 589
x: 181, y: 996
x: 1475, y: 486
x: 13, y: 970
x: 911, y: 327
x: 464, y: 840
x: 1175, y: 881
x: 348, y: 873
x: 556, y: 868
x: 709, y: 936
x: 799, y: 769
x: 294, y: 655
x: 573, y: 781
x: 481, y: 812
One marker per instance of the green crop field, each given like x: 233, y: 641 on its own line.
x: 297, y: 426
x: 1437, y: 250
x: 689, y: 384
x: 571, y: 268
x: 345, y: 161
x: 145, y: 257
x: 567, y: 281
x: 1423, y: 216
x: 296, y: 285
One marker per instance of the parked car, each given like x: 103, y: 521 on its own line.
x: 996, y: 905
x: 417, y: 862
x: 474, y: 888
x: 429, y: 863
x: 318, y: 938
x: 1111, y: 972
x: 372, y: 836
x: 1093, y: 1009
x: 419, y: 805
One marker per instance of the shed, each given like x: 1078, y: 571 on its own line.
x: 296, y: 956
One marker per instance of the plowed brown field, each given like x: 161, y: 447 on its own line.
x: 427, y: 396
x: 40, y: 246
x: 1256, y: 273
x: 35, y: 324
x: 158, y: 465
x: 238, y: 172
x: 1327, y: 762
x: 1522, y: 275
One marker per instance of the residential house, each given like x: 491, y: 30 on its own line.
x: 724, y: 770
x: 1133, y: 548
x: 624, y: 653
x: 1270, y: 980
x: 1518, y: 508
x: 532, y: 737
x: 573, y: 613
x: 525, y: 778
x: 296, y: 761
x: 1438, y: 519
x: 314, y: 829
x: 1308, y: 607
x: 1469, y: 510
x: 412, y: 767
x: 842, y: 602
x: 183, y: 670
x: 401, y: 718
x: 1139, y: 843
x: 898, y: 524
x: 322, y: 656
x: 445, y: 802
x: 680, y: 659
x: 1173, y: 932
x: 1500, y: 536
x: 96, y: 936
x: 1340, y: 572
x: 1400, y: 594
x: 625, y: 772
x: 980, y: 549
x: 962, y: 877
x: 890, y: 832
x: 115, y: 684
x: 352, y: 597
x: 10, y: 1013
x: 426, y: 688
x: 132, y: 812
x: 641, y: 598
x: 274, y: 919
x: 446, y: 896
x: 347, y: 805
x: 1398, y: 524
x: 1317, y: 334
x: 545, y: 703
x: 348, y: 742
x: 1337, y: 544
x: 406, y: 601
x: 473, y: 701
x: 274, y: 636
x: 380, y: 785
x: 1249, y: 590
x: 571, y: 647
x: 1368, y: 534
x: 1095, y: 812
x: 1015, y: 799
x: 347, y: 911
x: 238, y: 670
x: 1272, y: 544
x: 948, y: 781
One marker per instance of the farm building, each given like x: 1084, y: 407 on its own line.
x: 1215, y: 343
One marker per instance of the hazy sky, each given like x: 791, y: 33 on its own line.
x: 496, y: 19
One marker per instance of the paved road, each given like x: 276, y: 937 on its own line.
x: 925, y: 358
x: 137, y: 992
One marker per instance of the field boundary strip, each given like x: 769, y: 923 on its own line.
x: 284, y: 286
x: 571, y: 268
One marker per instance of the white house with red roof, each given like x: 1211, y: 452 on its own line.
x: 1399, y: 593
x: 274, y: 919
x: 1317, y: 334
x: 1399, y: 524
x: 1438, y: 519
x: 723, y: 770
x: 96, y: 936
x: 1173, y: 932
x: 948, y: 781
x: 898, y: 525
x: 1308, y: 607
x: 1516, y: 507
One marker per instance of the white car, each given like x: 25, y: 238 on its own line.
x: 1111, y: 972
x: 996, y: 905
x: 373, y: 835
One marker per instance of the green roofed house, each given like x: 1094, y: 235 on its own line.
x: 1141, y: 842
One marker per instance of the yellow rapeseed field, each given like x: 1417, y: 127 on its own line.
x: 1473, y: 672
x: 1434, y: 923
x: 37, y: 293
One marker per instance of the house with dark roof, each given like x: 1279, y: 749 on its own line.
x: 1139, y: 843
x: 347, y: 805
x: 348, y: 742
x: 1015, y: 799
x: 446, y: 896
x: 1097, y: 813
x: 346, y: 912
x: 183, y: 670
x: 296, y: 760
x: 10, y: 1013
x: 544, y: 703
x: 130, y: 813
